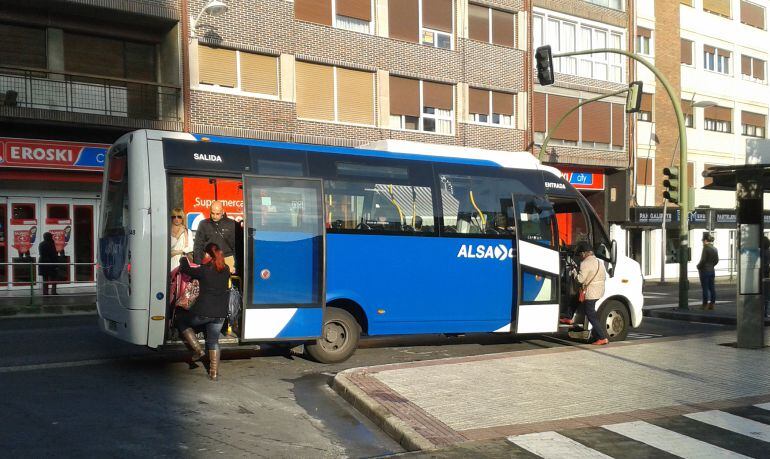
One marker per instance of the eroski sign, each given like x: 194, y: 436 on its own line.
x: 499, y: 252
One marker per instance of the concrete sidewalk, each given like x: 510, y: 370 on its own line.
x: 426, y: 405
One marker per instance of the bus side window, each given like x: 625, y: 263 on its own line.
x: 477, y: 205
x: 366, y: 206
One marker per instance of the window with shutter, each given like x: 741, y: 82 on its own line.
x: 334, y: 94
x: 557, y: 107
x: 217, y: 67
x: 355, y: 96
x: 436, y: 113
x: 355, y: 15
x: 478, y: 23
x: 645, y: 109
x: 618, y: 125
x: 478, y: 105
x: 437, y: 25
x: 644, y: 170
x: 719, y: 7
x: 94, y: 55
x: 596, y: 124
x: 752, y: 68
x: 315, y: 91
x: 718, y: 119
x: 502, y: 108
x: 404, y: 19
x: 687, y: 47
x: 753, y: 124
x: 502, y: 28
x: 23, y: 47
x: 687, y: 112
x: 752, y: 15
x: 538, y: 112
x: 259, y: 73
x: 318, y: 11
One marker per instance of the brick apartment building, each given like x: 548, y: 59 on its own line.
x: 714, y: 53
x: 592, y: 145
x: 74, y: 76
x: 351, y: 72
x: 337, y: 72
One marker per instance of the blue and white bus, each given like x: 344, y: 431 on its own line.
x: 391, y: 239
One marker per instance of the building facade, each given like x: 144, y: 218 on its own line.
x: 74, y: 76
x: 591, y: 145
x: 714, y: 53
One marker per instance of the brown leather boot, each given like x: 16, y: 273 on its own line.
x: 192, y: 342
x: 705, y: 305
x: 711, y: 306
x: 213, y: 365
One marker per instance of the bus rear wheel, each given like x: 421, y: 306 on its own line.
x: 614, y: 315
x: 339, y: 337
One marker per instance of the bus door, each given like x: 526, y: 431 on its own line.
x: 538, y: 259
x: 284, y: 288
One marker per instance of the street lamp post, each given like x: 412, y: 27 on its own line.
x: 683, y: 194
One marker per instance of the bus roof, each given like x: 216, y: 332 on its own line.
x: 397, y: 149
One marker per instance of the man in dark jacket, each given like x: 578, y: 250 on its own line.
x: 708, y: 259
x: 220, y: 230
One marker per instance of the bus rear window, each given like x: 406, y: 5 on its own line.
x: 116, y: 193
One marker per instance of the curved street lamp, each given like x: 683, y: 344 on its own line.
x: 214, y: 8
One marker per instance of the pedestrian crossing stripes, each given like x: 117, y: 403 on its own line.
x: 736, y: 433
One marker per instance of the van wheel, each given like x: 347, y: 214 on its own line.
x: 339, y: 337
x: 615, y: 317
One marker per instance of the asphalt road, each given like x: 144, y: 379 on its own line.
x: 69, y: 390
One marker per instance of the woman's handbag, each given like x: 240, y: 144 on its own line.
x: 185, y: 290
x: 584, y: 288
x: 234, y: 304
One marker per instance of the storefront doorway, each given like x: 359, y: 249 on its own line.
x: 23, y: 222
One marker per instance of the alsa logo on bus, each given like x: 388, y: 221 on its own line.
x: 499, y: 252
x: 210, y: 158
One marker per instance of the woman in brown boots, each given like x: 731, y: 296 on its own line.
x: 210, y: 309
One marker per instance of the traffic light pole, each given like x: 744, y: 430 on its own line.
x: 544, y: 147
x: 684, y: 189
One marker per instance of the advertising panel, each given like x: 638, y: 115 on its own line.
x: 199, y: 193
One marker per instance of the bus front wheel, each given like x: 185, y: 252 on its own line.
x: 339, y: 337
x: 614, y: 315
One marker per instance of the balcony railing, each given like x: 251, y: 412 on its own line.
x: 90, y: 94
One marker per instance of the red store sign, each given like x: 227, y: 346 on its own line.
x: 44, y: 154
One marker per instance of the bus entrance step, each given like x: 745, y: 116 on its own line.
x: 222, y: 340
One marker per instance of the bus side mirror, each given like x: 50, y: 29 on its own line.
x: 614, y: 252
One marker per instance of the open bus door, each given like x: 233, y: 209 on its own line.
x: 538, y: 260
x: 285, y: 245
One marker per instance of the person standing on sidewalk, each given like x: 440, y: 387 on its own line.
x: 709, y: 257
x: 591, y: 278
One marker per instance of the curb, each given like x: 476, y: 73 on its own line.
x: 44, y: 310
x: 693, y: 316
x: 384, y: 419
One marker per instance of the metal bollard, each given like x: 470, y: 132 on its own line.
x: 31, y: 283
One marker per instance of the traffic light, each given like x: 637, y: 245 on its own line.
x: 634, y: 97
x: 544, y: 62
x: 671, y: 184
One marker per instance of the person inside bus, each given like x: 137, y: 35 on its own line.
x: 181, y: 238
x: 591, y: 278
x: 219, y: 229
x: 210, y: 309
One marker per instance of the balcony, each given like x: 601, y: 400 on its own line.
x: 89, y: 95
